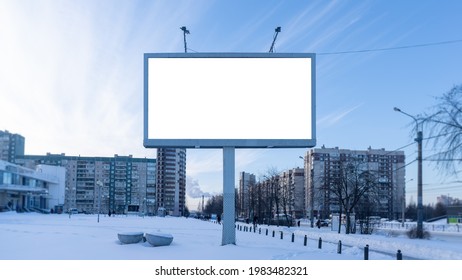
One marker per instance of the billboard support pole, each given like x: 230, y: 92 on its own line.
x: 229, y: 232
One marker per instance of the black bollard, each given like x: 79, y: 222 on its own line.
x: 259, y: 231
x: 266, y: 231
x: 293, y: 237
x: 273, y: 233
x: 320, y: 243
x: 305, y: 241
x: 366, y: 252
x: 339, y: 247
x: 399, y: 256
x: 254, y: 229
x: 281, y: 234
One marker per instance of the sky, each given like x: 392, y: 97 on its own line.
x: 71, y: 73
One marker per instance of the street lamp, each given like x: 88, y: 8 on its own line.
x: 418, y: 139
x: 99, y: 184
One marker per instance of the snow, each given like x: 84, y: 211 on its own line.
x: 81, y: 237
x: 32, y: 236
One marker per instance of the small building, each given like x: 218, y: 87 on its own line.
x: 23, y: 189
x: 455, y: 214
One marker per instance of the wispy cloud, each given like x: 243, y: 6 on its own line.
x: 71, y: 72
x: 335, y: 117
x: 246, y: 157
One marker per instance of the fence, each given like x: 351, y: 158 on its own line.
x: 426, y: 226
x: 281, y: 234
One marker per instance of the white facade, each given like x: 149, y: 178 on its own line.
x: 292, y: 189
x: 56, y: 188
x: 25, y: 189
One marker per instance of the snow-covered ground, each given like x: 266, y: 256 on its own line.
x: 32, y: 236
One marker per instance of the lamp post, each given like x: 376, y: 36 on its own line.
x: 99, y: 184
x: 418, y: 139
x: 185, y: 31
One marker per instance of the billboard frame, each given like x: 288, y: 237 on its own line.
x: 237, y: 143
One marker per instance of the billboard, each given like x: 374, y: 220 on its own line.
x: 241, y: 100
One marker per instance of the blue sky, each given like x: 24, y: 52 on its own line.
x: 71, y: 72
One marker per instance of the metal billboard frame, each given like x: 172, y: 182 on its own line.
x: 229, y: 145
x: 237, y: 143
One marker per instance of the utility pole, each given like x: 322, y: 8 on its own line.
x: 418, y: 139
x: 419, y: 185
x: 185, y: 31
x: 276, y: 31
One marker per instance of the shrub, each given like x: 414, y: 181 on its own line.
x: 412, y: 233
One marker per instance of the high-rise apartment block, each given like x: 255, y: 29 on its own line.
x: 323, y: 167
x: 246, y: 182
x: 11, y: 146
x: 171, y: 180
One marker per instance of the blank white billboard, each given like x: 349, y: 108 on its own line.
x: 229, y: 99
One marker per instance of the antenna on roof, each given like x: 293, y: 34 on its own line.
x: 276, y: 31
x: 185, y: 31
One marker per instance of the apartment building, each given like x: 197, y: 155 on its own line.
x: 292, y: 192
x: 11, y: 146
x: 246, y: 182
x: 171, y: 180
x: 323, y: 166
x: 127, y: 183
x: 282, y: 193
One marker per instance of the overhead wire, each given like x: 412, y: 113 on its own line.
x: 392, y: 48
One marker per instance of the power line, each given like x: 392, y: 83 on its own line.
x: 401, y: 167
x: 400, y: 148
x: 393, y: 48
x: 435, y: 189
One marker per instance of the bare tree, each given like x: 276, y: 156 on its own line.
x: 444, y: 124
x: 367, y: 207
x: 284, y: 194
x: 353, y: 181
x: 253, y: 200
x: 271, y: 194
x: 214, y: 205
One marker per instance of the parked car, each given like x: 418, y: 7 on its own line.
x: 323, y: 223
x: 283, y: 220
